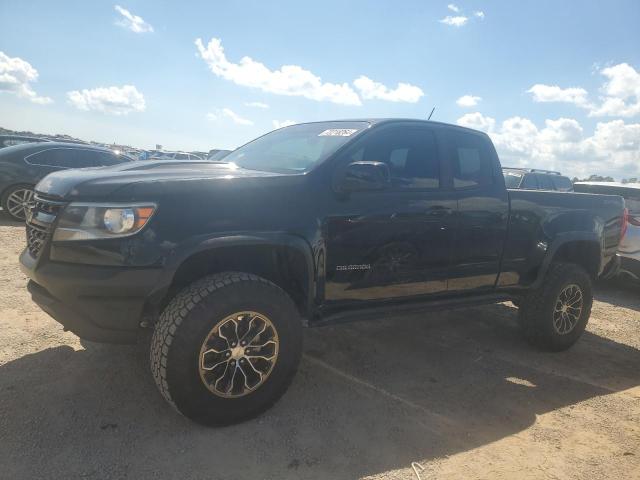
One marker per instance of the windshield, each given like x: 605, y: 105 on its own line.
x: 219, y: 155
x: 512, y: 179
x: 296, y: 148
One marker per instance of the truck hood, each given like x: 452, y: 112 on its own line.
x: 103, y: 181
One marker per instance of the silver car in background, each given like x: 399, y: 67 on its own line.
x: 629, y: 250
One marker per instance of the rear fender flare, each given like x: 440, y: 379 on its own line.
x: 561, y: 240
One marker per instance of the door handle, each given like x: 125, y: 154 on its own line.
x: 438, y: 211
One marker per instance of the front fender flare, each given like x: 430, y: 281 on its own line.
x: 183, y: 252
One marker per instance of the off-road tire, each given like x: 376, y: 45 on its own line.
x: 186, y: 322
x: 535, y: 315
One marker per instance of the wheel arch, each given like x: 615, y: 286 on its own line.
x: 283, y: 259
x: 580, y: 248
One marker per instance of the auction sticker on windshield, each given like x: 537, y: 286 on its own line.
x: 338, y: 132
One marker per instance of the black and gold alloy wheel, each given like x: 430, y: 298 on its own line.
x: 238, y: 354
x: 567, y: 310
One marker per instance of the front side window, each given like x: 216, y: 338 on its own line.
x: 296, y: 148
x: 411, y: 154
x: 106, y: 158
x: 471, y: 160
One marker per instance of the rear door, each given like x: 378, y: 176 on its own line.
x: 394, y: 243
x: 482, y: 210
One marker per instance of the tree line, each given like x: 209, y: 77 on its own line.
x: 599, y: 178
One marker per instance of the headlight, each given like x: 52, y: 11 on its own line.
x: 85, y: 221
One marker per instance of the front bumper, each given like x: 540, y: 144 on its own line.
x: 97, y: 303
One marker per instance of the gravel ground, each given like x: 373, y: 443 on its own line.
x: 458, y: 392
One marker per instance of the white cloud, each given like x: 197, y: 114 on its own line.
x: 403, y: 92
x: 290, y: 80
x: 553, y: 93
x: 132, y: 22
x: 477, y: 121
x: 612, y: 149
x: 227, y: 112
x: 115, y: 100
x: 294, y: 80
x: 468, y: 101
x: 230, y: 114
x: 454, y: 21
x: 16, y: 77
x: 256, y: 105
x: 621, y: 92
x: 281, y: 124
x: 479, y: 14
x: 453, y: 8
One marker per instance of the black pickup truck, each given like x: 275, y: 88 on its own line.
x: 309, y: 224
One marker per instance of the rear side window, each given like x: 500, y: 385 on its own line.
x: 93, y: 158
x: 562, y: 184
x: 10, y: 142
x: 472, y: 160
x: 530, y: 182
x: 512, y: 179
x: 55, y: 157
x: 545, y: 182
x: 181, y: 156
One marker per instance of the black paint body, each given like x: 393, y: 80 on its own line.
x: 385, y: 248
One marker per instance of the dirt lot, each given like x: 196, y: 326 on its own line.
x: 458, y: 392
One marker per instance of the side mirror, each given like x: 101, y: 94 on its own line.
x: 363, y: 176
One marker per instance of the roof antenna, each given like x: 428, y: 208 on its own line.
x: 432, y: 110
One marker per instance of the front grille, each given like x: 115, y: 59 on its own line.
x: 40, y: 222
x: 37, y: 237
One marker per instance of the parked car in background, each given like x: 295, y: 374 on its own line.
x: 218, y: 155
x: 12, y: 140
x: 536, y: 179
x: 629, y: 251
x: 22, y: 166
x: 176, y: 156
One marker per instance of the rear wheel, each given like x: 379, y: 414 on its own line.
x: 226, y: 348
x: 554, y: 316
x: 17, y: 200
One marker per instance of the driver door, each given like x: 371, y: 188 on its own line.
x: 393, y: 243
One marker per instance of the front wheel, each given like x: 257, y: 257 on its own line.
x: 17, y: 200
x: 554, y: 316
x: 226, y: 348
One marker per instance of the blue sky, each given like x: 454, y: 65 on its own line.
x: 556, y: 84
